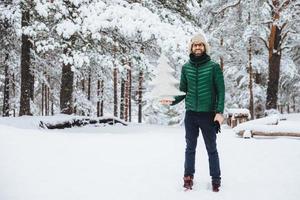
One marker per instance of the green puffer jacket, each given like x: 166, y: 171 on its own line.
x: 203, y: 83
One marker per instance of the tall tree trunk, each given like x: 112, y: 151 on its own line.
x: 98, y: 101
x: 294, y: 103
x: 66, y: 91
x: 222, y: 44
x: 122, y: 99
x: 52, y: 107
x: 115, y: 92
x: 83, y: 85
x: 221, y: 57
x: 129, y: 91
x: 274, y: 59
x: 48, y: 97
x: 47, y: 100
x: 89, y: 85
x: 14, y: 93
x: 26, y: 75
x: 43, y: 98
x: 67, y: 81
x: 83, y: 91
x: 31, y: 82
x: 127, y: 95
x: 140, y: 97
x: 6, y: 106
x: 251, y: 102
x: 102, y: 97
x: 274, y: 68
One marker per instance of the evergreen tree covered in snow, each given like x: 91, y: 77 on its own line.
x: 165, y: 86
x: 9, y: 56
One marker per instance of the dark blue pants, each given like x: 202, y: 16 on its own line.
x: 203, y: 120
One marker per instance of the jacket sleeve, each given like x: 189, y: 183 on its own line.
x: 182, y: 87
x: 220, y: 89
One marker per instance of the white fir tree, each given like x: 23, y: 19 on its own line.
x: 164, y: 84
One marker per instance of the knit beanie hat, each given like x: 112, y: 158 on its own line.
x: 198, y: 38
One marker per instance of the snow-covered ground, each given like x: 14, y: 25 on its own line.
x: 138, y: 162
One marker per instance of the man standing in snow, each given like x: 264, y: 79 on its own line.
x: 202, y: 81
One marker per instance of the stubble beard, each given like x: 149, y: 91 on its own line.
x: 198, y: 53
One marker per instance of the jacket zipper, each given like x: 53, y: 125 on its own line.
x: 197, y: 88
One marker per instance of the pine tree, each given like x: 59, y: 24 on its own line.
x: 165, y: 85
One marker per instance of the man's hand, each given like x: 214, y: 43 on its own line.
x: 217, y: 127
x: 165, y: 101
x: 219, y: 117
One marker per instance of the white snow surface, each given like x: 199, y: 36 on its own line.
x: 138, y: 162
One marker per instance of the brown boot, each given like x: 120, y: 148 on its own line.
x: 188, y: 182
x: 216, y: 187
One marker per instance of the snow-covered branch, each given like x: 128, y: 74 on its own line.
x: 285, y: 4
x: 263, y: 40
x: 270, y: 3
x: 221, y: 10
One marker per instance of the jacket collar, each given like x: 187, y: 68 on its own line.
x: 198, y: 60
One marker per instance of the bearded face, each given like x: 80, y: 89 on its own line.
x: 198, y: 48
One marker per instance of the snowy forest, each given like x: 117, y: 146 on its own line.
x: 99, y: 57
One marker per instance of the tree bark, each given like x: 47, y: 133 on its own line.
x: 43, y: 98
x: 140, y: 97
x: 274, y: 60
x: 52, y: 107
x: 89, y: 85
x: 127, y: 95
x: 67, y: 81
x: 251, y: 102
x: 274, y: 72
x: 122, y: 99
x: 83, y: 91
x: 66, y: 91
x: 48, y: 97
x: 115, y: 92
x: 129, y: 92
x: 14, y: 93
x: 83, y: 85
x: 6, y: 106
x: 98, y: 101
x: 221, y: 57
x: 26, y: 75
x: 294, y: 103
x: 102, y: 97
